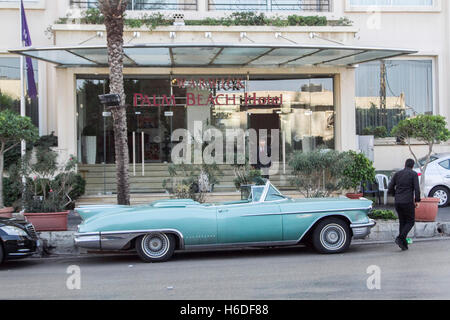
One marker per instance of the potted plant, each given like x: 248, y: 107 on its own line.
x: 430, y: 130
x: 198, y: 178
x: 358, y: 170
x: 49, y: 189
x: 13, y: 129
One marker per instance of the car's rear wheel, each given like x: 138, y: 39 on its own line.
x: 155, y: 247
x: 442, y: 194
x: 331, y: 235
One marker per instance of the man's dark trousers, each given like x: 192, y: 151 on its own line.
x: 406, y: 216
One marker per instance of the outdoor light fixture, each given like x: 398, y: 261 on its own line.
x: 313, y: 35
x: 110, y: 100
x: 279, y: 35
x: 98, y: 34
x: 208, y: 35
x: 136, y: 35
x: 243, y: 35
x: 172, y: 35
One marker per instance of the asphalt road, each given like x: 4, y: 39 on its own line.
x: 423, y: 272
x: 444, y: 214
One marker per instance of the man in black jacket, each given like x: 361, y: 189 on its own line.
x: 405, y: 187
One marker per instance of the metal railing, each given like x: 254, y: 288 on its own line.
x: 144, y: 4
x: 270, y: 5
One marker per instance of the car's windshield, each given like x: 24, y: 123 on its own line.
x: 273, y: 194
x: 256, y: 193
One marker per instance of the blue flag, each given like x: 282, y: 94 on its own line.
x: 26, y: 40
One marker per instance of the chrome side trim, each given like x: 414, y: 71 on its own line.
x: 117, y: 240
x: 309, y: 211
x: 241, y: 245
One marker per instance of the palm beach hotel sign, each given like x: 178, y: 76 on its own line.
x: 208, y: 92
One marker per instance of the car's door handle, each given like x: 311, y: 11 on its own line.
x: 223, y: 210
x: 447, y: 177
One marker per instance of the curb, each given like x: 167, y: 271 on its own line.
x: 61, y: 243
x: 388, y: 230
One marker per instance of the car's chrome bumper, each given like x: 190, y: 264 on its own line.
x: 360, y: 231
x: 88, y: 240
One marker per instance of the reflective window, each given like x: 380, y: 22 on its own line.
x: 390, y: 91
x: 391, y: 2
x: 289, y: 114
x: 445, y: 164
x: 10, y: 88
x: 270, y: 5
x: 145, y: 4
x: 304, y: 115
x: 151, y: 118
x: 257, y: 193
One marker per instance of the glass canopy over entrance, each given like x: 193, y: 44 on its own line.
x: 213, y: 55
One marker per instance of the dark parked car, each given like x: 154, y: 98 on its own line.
x: 18, y: 239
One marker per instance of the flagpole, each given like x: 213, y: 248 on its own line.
x: 22, y: 93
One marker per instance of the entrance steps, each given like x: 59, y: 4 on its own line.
x: 101, y: 179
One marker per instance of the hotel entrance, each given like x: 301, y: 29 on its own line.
x: 301, y: 108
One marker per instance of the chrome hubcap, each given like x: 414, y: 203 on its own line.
x: 155, y: 245
x: 333, y: 237
x: 442, y: 196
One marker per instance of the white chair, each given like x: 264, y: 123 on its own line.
x: 383, y: 183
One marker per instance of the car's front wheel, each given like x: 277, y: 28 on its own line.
x: 155, y: 247
x: 331, y: 235
x: 442, y: 194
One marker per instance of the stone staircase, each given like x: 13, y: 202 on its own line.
x: 101, y: 179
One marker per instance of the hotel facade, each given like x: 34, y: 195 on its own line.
x: 373, y: 63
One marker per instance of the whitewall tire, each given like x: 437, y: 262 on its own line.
x: 155, y: 246
x: 331, y: 235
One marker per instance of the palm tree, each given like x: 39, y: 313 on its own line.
x: 114, y: 11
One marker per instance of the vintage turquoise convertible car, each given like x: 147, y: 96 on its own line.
x: 264, y: 217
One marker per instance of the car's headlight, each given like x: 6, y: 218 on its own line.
x: 14, y: 231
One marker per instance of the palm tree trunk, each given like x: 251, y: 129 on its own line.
x: 113, y: 10
x: 2, y: 204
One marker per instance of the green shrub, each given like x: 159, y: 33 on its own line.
x: 358, y: 169
x: 317, y: 173
x: 378, y: 132
x: 246, y: 175
x: 78, y: 185
x: 295, y: 20
x: 11, y: 194
x: 93, y: 16
x: 383, y: 215
x: 244, y: 18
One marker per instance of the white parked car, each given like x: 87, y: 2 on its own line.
x: 437, y: 177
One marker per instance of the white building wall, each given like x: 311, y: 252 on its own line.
x: 427, y: 31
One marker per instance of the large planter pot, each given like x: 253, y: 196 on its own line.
x: 6, y: 212
x: 354, y: 196
x: 427, y: 210
x: 51, y: 221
